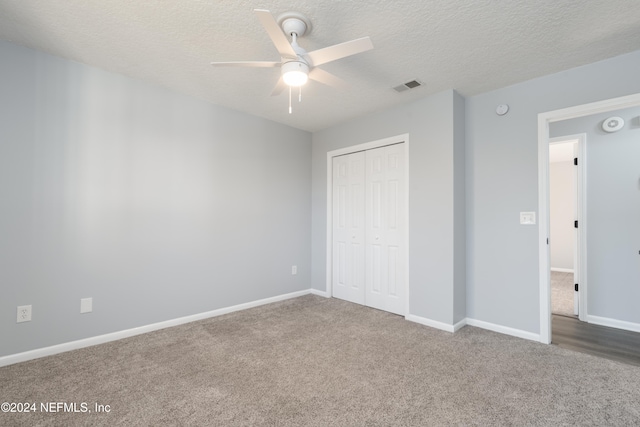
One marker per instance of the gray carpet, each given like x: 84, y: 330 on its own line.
x: 313, y: 361
x: 562, y: 293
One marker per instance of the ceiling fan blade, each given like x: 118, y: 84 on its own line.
x: 253, y: 64
x: 338, y: 51
x: 327, y: 78
x: 278, y: 38
x: 280, y: 86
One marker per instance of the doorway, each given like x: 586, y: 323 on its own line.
x: 544, y: 120
x: 567, y: 224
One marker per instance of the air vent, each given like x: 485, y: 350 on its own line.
x: 408, y: 85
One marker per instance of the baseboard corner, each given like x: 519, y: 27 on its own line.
x: 432, y: 323
x: 324, y: 294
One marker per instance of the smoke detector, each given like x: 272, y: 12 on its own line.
x: 613, y: 124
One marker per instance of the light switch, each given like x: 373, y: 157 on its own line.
x: 527, y: 218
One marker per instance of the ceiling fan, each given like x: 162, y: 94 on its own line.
x: 296, y: 64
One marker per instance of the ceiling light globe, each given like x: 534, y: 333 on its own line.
x: 295, y: 78
x: 295, y: 73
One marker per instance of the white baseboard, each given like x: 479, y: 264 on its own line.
x: 614, y: 323
x: 114, y: 336
x: 562, y: 270
x: 434, y: 323
x: 504, y: 329
x: 319, y: 293
x: 473, y: 322
x: 459, y: 325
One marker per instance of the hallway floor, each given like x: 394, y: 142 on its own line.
x: 602, y: 341
x: 562, y: 293
x: 570, y: 333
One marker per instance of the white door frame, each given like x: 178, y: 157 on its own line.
x: 580, y: 212
x: 544, y: 119
x: 404, y: 138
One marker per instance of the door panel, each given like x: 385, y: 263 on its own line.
x: 384, y: 282
x: 348, y: 228
x: 393, y: 270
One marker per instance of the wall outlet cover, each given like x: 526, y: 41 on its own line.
x: 86, y: 305
x: 24, y: 313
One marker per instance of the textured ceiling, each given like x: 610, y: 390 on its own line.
x: 472, y: 46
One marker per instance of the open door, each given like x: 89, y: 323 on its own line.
x: 576, y: 245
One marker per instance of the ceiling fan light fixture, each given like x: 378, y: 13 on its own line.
x: 295, y: 73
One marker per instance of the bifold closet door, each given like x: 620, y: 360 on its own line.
x: 369, y: 202
x: 384, y: 219
x: 348, y: 227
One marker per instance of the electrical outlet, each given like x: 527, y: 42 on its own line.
x: 24, y: 314
x: 86, y: 305
x: 294, y: 270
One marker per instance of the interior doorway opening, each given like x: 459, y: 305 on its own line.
x: 544, y: 120
x: 567, y: 225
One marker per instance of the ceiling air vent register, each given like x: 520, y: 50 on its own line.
x: 408, y: 85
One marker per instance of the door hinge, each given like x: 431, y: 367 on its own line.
x: 576, y: 287
x: 575, y: 161
x: 575, y: 224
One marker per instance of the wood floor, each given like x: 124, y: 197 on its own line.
x: 610, y: 343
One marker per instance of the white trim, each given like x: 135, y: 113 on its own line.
x: 543, y: 194
x: 114, y: 336
x: 591, y: 108
x: 403, y: 138
x: 614, y: 323
x: 562, y: 270
x: 436, y: 324
x: 544, y: 260
x: 459, y: 325
x: 319, y: 293
x: 503, y: 329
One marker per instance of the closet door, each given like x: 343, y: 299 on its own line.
x: 349, y: 227
x: 385, y: 285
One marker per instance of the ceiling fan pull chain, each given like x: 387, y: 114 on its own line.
x: 289, y: 99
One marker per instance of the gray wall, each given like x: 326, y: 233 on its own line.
x: 459, y: 212
x: 154, y: 204
x: 436, y: 190
x: 613, y: 213
x: 502, y: 180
